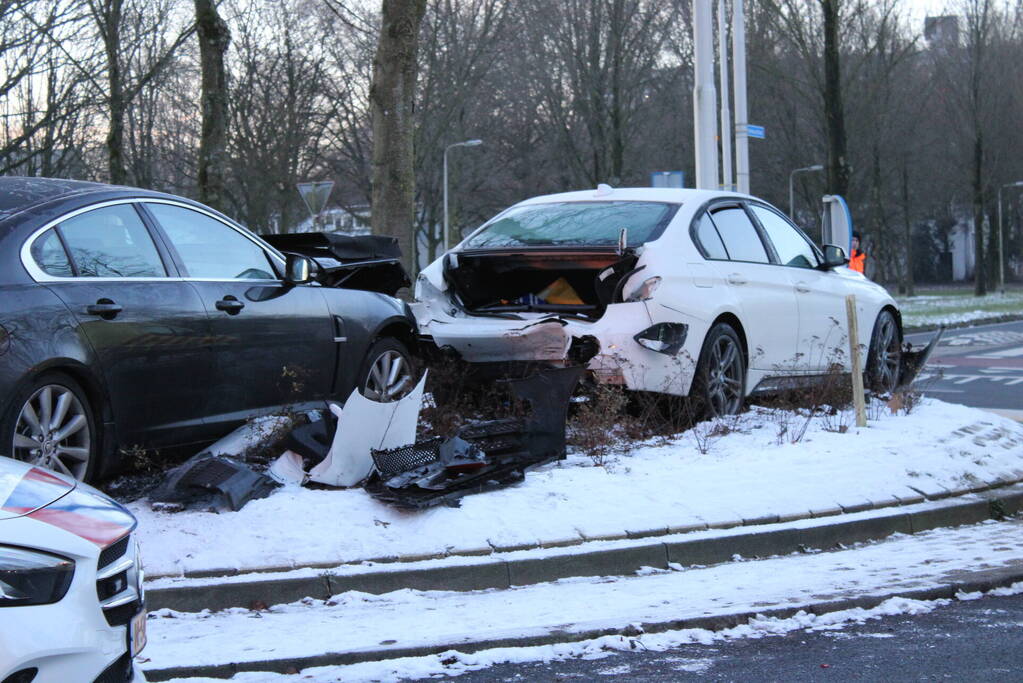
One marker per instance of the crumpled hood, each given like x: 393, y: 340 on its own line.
x: 58, y: 500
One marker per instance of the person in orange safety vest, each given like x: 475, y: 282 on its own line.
x: 857, y: 259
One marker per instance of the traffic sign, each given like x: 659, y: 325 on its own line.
x: 315, y: 195
x: 757, y: 132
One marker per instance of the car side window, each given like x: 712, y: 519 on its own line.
x: 209, y: 249
x: 708, y: 239
x: 112, y: 242
x: 739, y: 236
x: 793, y: 249
x: 49, y: 255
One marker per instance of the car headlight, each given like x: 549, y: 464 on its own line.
x: 30, y: 577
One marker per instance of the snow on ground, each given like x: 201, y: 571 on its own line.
x: 353, y: 621
x: 931, y: 310
x: 766, y: 465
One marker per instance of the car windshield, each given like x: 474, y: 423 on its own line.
x: 575, y: 223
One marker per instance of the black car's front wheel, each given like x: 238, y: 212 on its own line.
x: 51, y: 423
x: 719, y: 386
x: 388, y: 373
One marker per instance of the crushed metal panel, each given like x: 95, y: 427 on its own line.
x: 482, y: 340
x: 363, y: 426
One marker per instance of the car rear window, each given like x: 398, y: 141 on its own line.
x: 49, y: 254
x: 112, y: 242
x: 739, y: 235
x: 575, y: 224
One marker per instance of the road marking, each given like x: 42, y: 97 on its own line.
x: 1004, y: 353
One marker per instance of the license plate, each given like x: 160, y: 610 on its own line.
x: 137, y: 633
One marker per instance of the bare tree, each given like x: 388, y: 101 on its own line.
x: 111, y: 18
x: 214, y: 37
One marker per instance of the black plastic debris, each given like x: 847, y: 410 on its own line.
x: 914, y: 359
x: 313, y: 440
x: 482, y: 456
x: 213, y: 481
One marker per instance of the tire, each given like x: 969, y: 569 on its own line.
x: 387, y: 356
x: 69, y: 442
x: 719, y: 387
x: 884, y: 358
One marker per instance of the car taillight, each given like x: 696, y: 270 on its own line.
x: 30, y: 577
x: 645, y: 290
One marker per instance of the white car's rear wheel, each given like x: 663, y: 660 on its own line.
x: 884, y: 359
x: 719, y: 387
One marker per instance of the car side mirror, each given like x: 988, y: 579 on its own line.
x: 834, y: 257
x: 298, y: 269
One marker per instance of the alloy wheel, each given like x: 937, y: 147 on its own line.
x: 53, y: 431
x: 724, y: 376
x: 390, y: 377
x: 888, y: 355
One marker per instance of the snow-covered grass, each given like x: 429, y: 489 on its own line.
x: 960, y: 306
x: 766, y: 462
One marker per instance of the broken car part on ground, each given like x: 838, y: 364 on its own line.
x: 375, y: 442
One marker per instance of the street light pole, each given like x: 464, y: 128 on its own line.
x: 792, y: 191
x: 466, y: 143
x: 1001, y: 229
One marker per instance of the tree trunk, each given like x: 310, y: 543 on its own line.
x: 392, y: 100
x: 834, y: 113
x: 116, y: 103
x: 214, y: 37
x: 907, y: 231
x: 979, y: 261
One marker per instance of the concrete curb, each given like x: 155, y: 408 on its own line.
x: 524, y: 568
x: 967, y: 583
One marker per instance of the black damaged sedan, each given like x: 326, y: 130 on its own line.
x: 135, y: 319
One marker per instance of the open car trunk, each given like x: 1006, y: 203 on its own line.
x: 576, y: 282
x: 369, y: 262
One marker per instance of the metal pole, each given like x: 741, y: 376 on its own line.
x: 727, y: 180
x: 445, y: 240
x: 792, y: 195
x: 741, y: 113
x: 704, y: 96
x: 1001, y: 258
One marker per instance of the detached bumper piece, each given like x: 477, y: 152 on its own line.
x: 213, y: 481
x: 480, y: 457
x: 913, y: 361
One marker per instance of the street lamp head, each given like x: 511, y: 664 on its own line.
x: 472, y: 143
x: 815, y: 167
x: 1018, y: 183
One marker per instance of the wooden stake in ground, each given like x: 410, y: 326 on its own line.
x: 857, y: 366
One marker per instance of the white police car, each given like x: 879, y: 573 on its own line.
x: 71, y: 597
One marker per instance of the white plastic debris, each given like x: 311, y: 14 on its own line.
x: 288, y: 469
x: 364, y: 425
x: 250, y: 435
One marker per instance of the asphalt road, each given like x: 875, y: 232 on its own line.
x: 980, y: 640
x: 977, y: 366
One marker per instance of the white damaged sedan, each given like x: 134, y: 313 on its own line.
x: 709, y: 294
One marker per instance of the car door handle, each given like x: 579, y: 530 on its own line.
x: 104, y: 308
x: 737, y: 279
x: 802, y: 287
x: 230, y: 305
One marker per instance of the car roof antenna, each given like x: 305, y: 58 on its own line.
x: 623, y: 241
